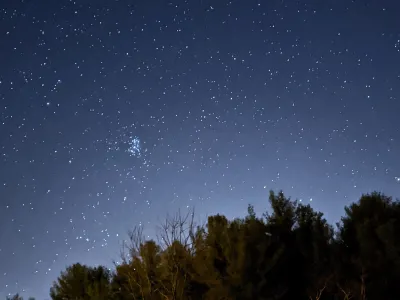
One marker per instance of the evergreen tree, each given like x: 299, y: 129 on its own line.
x: 370, y: 247
x: 82, y: 283
x: 291, y: 252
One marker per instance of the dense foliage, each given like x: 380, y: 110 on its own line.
x: 289, y: 253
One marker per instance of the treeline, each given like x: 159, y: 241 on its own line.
x: 289, y: 253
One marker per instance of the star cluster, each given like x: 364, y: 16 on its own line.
x: 113, y: 113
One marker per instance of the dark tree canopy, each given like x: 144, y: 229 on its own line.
x: 18, y: 297
x: 290, y: 252
x: 82, y: 282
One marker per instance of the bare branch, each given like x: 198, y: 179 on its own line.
x: 131, y: 247
x: 177, y: 228
x: 176, y: 237
x: 315, y: 293
x: 347, y: 294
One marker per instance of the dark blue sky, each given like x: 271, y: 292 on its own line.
x: 113, y: 113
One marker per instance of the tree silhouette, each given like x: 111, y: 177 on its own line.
x: 18, y: 297
x: 82, y: 282
x: 289, y: 252
x: 370, y: 247
x: 15, y: 297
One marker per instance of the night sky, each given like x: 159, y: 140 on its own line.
x: 114, y: 113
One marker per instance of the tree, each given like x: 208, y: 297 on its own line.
x: 370, y: 246
x: 239, y: 259
x: 137, y: 276
x: 177, y: 236
x: 159, y: 271
x: 280, y: 224
x: 18, y: 297
x: 15, y: 297
x: 82, y: 282
x: 291, y: 252
x: 314, y: 240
